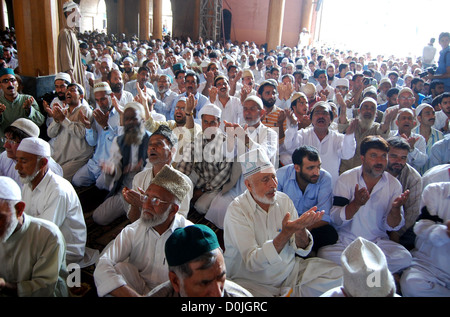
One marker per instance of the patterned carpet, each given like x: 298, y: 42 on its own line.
x: 98, y: 236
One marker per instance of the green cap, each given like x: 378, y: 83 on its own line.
x: 186, y: 244
x: 6, y: 71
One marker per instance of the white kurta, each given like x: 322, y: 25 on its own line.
x: 253, y: 262
x: 140, y: 246
x: 332, y: 149
x: 54, y: 199
x: 34, y: 258
x: 429, y: 274
x: 370, y: 222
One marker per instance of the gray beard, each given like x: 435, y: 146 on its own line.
x: 134, y: 136
x: 156, y: 220
x: 365, y: 124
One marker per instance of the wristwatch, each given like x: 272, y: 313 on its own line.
x: 189, y: 114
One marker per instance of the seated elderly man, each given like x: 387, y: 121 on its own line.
x: 51, y: 197
x: 362, y: 261
x: 196, y: 266
x: 265, y: 239
x: 32, y: 250
x: 20, y: 129
x: 429, y: 274
x: 135, y: 262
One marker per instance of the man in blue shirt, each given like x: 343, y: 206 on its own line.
x: 443, y: 69
x: 308, y: 185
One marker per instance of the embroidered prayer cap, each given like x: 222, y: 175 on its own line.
x: 36, y: 146
x: 173, y: 181
x: 366, y: 273
x: 309, y: 89
x: 102, y: 86
x: 188, y: 243
x: 211, y: 110
x: 9, y: 190
x: 253, y: 162
x: 421, y: 107
x: 298, y: 95
x: 69, y: 6
x: 63, y: 76
x: 27, y: 126
x: 434, y: 197
x: 6, y: 71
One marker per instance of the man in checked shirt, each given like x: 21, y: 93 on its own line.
x: 205, y: 163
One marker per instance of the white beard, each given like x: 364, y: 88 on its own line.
x: 10, y: 230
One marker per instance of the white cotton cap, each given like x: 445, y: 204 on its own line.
x: 211, y: 110
x: 366, y: 273
x: 63, y: 76
x: 27, y: 126
x: 9, y: 189
x: 35, y: 146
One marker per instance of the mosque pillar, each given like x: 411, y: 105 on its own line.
x: 2, y: 15
x: 121, y: 16
x: 157, y: 19
x: 144, y: 20
x: 275, y: 23
x: 37, y: 29
x: 307, y: 12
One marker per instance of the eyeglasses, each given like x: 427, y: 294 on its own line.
x: 11, y: 142
x: 154, y: 201
x: 406, y: 98
x: 8, y: 80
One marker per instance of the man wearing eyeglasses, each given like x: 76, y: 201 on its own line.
x: 135, y: 262
x: 14, y: 105
x: 405, y: 99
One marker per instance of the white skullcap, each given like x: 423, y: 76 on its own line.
x: 204, y: 63
x: 102, y: 86
x: 255, y: 99
x: 436, y: 197
x: 108, y: 60
x: 69, y: 6
x: 366, y: 273
x: 63, y: 76
x: 128, y: 59
x: 369, y: 100
x: 27, y: 126
x: 421, y: 107
x: 308, y: 89
x: 253, y: 162
x: 35, y: 146
x: 385, y: 80
x: 211, y: 110
x: 9, y: 190
x: 136, y: 106
x: 342, y: 82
